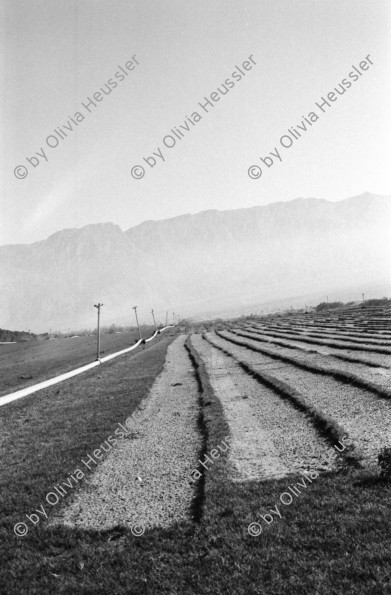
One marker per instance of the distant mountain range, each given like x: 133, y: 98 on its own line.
x: 213, y: 261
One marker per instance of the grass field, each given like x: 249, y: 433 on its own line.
x: 25, y: 364
x: 274, y: 513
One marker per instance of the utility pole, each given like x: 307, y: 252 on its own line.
x: 138, y: 326
x: 363, y: 295
x: 153, y: 316
x: 166, y: 318
x: 99, y: 305
x: 173, y: 317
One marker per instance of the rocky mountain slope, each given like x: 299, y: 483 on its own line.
x: 195, y: 263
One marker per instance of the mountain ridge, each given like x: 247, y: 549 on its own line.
x: 195, y: 262
x: 199, y: 213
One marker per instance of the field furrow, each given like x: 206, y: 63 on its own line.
x: 373, y: 360
x: 334, y: 335
x: 270, y: 437
x: 366, y: 418
x: 329, y: 343
x: 341, y: 333
x: 321, y: 360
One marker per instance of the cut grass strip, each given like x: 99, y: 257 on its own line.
x: 330, y: 335
x: 44, y: 439
x: 284, y: 343
x: 346, y: 377
x: 326, y: 427
x: 336, y: 331
x: 198, y: 500
x: 352, y: 346
x: 216, y: 430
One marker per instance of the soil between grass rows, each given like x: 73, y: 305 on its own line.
x: 303, y: 329
x: 370, y: 359
x: 366, y: 418
x: 373, y: 360
x: 352, y: 373
x: 328, y: 334
x: 270, y: 437
x: 352, y: 345
x: 145, y: 481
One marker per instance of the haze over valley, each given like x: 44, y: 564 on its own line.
x: 212, y: 261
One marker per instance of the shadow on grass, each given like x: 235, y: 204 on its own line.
x: 373, y: 481
x: 332, y: 538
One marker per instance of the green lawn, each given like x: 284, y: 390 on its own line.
x: 24, y: 364
x: 333, y: 538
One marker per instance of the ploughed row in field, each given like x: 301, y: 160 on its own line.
x: 285, y: 409
x: 342, y: 335
x: 348, y: 395
x: 345, y: 343
x: 225, y: 421
x: 353, y: 354
x: 362, y: 319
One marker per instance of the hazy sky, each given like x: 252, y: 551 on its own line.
x: 57, y: 53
